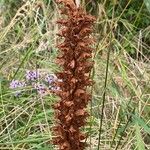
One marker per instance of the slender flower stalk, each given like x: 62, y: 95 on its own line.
x: 75, y: 60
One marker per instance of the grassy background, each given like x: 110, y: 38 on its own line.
x: 122, y: 50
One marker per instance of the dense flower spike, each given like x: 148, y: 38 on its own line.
x: 75, y: 54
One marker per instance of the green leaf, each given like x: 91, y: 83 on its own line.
x: 147, y: 3
x: 140, y: 143
x: 142, y: 124
x: 28, y: 140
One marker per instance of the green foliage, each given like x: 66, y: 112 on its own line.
x: 140, y: 143
x: 147, y: 3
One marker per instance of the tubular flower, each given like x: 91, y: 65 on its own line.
x: 75, y: 60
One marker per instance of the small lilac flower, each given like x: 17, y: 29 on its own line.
x: 14, y: 84
x: 41, y: 88
x: 50, y: 78
x: 32, y: 75
x: 54, y: 88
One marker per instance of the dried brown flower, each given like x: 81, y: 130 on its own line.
x: 75, y: 59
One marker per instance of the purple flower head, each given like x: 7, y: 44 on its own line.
x: 50, y: 78
x: 41, y: 88
x: 14, y: 84
x: 32, y: 75
x: 54, y: 88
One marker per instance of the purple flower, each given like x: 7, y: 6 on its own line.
x: 14, y: 84
x: 32, y: 75
x: 50, y: 78
x: 41, y: 88
x: 54, y: 88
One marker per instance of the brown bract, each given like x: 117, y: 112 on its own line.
x: 75, y: 59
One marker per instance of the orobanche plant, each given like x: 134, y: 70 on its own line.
x: 75, y: 60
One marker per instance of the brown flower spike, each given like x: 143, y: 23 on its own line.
x: 75, y: 59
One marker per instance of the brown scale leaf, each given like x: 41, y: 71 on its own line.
x: 72, y: 129
x: 62, y: 22
x: 72, y: 64
x: 68, y: 103
x: 79, y: 92
x: 65, y: 146
x: 60, y: 61
x: 80, y: 112
x: 68, y: 119
x: 56, y: 106
x: 85, y: 32
x: 82, y: 136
